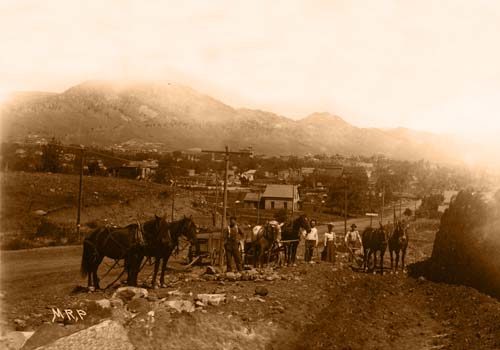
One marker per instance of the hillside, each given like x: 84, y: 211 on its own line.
x: 106, y: 200
x: 178, y: 117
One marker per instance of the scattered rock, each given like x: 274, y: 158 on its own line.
x: 211, y: 270
x: 211, y: 299
x: 40, y: 212
x: 257, y: 299
x: 129, y: 293
x: 280, y: 309
x: 20, y: 324
x: 121, y: 315
x: 252, y: 272
x: 262, y: 291
x: 104, y: 303
x: 180, y: 305
x: 139, y: 305
x: 176, y: 293
x: 116, y: 302
x: 231, y: 276
x: 152, y: 297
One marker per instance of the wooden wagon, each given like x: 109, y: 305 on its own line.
x: 212, y: 249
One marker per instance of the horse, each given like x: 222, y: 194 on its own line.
x: 115, y: 243
x: 291, y: 232
x: 374, y: 240
x: 398, y: 242
x: 264, y: 239
x: 161, y: 238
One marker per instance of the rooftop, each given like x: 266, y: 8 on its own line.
x: 279, y: 191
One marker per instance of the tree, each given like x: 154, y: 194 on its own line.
x: 356, y: 185
x: 50, y: 156
x: 408, y: 212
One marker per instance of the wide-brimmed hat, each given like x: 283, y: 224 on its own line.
x: 330, y: 224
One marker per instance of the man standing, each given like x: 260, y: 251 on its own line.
x: 353, y: 241
x: 311, y: 242
x: 232, y: 236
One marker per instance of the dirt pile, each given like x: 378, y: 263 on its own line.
x: 467, y: 245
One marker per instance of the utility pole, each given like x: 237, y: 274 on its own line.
x: 383, y: 205
x: 80, y: 192
x: 345, y: 205
x: 258, y: 209
x: 173, y: 199
x: 216, y: 205
x: 227, y: 154
x: 400, y: 209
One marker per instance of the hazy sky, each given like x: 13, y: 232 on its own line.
x: 426, y: 64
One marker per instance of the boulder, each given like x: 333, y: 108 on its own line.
x: 211, y: 299
x: 46, y: 334
x: 129, y: 293
x: 262, y: 291
x: 108, y: 335
x: 14, y: 340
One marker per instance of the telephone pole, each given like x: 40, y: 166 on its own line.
x: 383, y: 205
x: 173, y: 199
x: 227, y: 155
x: 80, y: 191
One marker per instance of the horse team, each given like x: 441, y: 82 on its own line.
x: 158, y: 238
x: 378, y: 240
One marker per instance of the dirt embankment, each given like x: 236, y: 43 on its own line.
x: 467, y: 245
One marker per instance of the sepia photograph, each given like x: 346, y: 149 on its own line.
x: 240, y: 175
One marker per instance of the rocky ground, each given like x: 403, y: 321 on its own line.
x: 311, y: 306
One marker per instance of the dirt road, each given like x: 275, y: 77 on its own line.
x: 312, y: 306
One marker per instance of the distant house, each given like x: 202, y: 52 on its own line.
x: 280, y: 197
x: 331, y: 171
x: 307, y: 171
x: 251, y: 200
x: 140, y: 170
x: 249, y: 175
x: 191, y: 172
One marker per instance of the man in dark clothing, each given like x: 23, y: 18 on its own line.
x: 232, y: 236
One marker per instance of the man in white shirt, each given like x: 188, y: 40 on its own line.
x: 311, y: 241
x: 353, y: 241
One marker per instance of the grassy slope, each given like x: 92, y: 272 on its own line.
x: 118, y: 201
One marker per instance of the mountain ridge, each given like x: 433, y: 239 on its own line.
x: 106, y: 113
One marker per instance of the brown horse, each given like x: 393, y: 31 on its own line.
x: 116, y: 243
x: 291, y: 235
x: 265, y: 238
x: 161, y: 238
x: 398, y: 242
x: 374, y: 240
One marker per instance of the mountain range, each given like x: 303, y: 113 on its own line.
x: 177, y: 117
